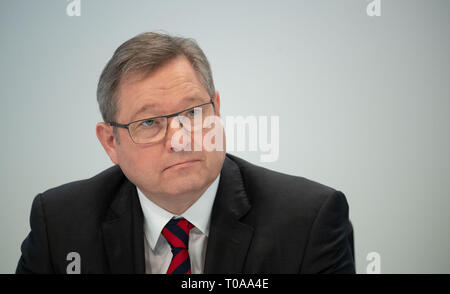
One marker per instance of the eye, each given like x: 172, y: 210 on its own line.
x: 148, y: 122
x: 194, y: 111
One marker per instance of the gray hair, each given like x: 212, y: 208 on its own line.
x: 145, y: 53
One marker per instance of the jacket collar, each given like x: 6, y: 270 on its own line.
x: 229, y: 238
x: 123, y: 232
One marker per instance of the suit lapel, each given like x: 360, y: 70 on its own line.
x: 123, y: 232
x: 229, y: 239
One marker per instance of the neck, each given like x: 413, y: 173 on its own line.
x: 176, y: 204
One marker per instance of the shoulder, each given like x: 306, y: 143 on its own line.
x: 88, y: 195
x: 283, y: 193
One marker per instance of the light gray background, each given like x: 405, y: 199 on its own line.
x: 363, y: 103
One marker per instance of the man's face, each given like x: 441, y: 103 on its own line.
x: 153, y: 167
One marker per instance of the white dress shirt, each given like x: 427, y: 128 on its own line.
x: 158, y: 254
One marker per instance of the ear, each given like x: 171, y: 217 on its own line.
x: 216, y: 100
x: 106, y: 137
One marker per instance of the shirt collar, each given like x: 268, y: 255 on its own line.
x: 155, y: 217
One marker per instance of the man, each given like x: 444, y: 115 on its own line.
x: 170, y: 205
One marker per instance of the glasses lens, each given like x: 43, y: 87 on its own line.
x: 148, y: 131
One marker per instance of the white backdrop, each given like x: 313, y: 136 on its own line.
x: 363, y: 104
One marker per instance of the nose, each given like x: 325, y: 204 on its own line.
x: 176, y: 139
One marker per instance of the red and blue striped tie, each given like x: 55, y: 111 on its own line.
x: 176, y: 233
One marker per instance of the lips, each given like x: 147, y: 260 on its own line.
x: 180, y: 163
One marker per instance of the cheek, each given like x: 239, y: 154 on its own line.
x: 214, y: 161
x: 139, y: 162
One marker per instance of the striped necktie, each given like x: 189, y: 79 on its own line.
x: 176, y: 233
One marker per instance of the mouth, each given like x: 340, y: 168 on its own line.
x: 182, y: 164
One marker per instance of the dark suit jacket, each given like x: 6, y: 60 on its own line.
x: 262, y: 222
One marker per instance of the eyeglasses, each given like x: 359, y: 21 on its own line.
x: 154, y: 129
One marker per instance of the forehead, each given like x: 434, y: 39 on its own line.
x: 173, y: 85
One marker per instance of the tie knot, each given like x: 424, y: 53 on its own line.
x: 176, y: 233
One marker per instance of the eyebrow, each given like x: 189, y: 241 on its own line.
x: 151, y: 106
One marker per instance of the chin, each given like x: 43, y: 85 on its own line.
x: 184, y: 185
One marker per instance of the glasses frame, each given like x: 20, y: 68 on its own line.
x: 127, y: 126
